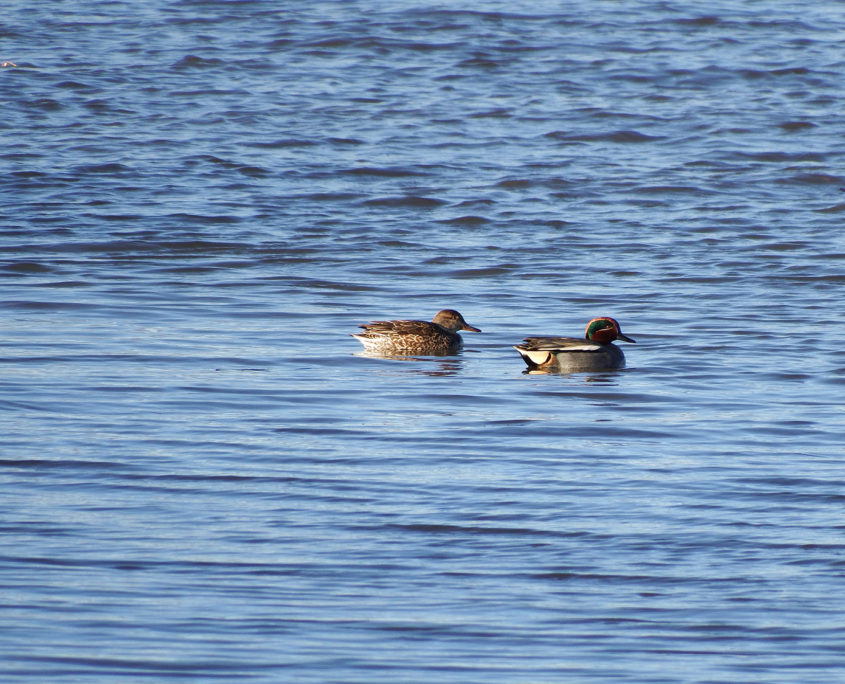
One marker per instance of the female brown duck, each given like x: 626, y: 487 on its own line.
x: 408, y: 338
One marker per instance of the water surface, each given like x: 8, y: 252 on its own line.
x: 203, y: 478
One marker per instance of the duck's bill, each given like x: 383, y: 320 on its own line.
x: 620, y: 336
x: 467, y: 326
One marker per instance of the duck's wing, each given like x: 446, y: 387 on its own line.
x: 400, y: 327
x: 568, y: 344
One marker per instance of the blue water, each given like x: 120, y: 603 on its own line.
x: 204, y: 479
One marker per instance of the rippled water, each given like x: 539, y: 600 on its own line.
x: 202, y: 476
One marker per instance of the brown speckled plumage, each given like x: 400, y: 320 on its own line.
x: 405, y: 338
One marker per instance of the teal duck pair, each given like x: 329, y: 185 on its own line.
x: 595, y: 351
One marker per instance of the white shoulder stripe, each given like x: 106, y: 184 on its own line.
x: 586, y: 347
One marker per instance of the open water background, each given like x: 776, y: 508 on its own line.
x: 203, y: 479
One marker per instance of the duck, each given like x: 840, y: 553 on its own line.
x: 594, y: 352
x: 406, y: 338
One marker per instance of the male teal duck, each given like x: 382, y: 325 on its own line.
x: 409, y: 338
x: 595, y: 352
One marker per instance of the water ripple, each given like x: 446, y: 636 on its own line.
x: 205, y: 200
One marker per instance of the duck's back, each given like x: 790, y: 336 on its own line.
x: 561, y: 344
